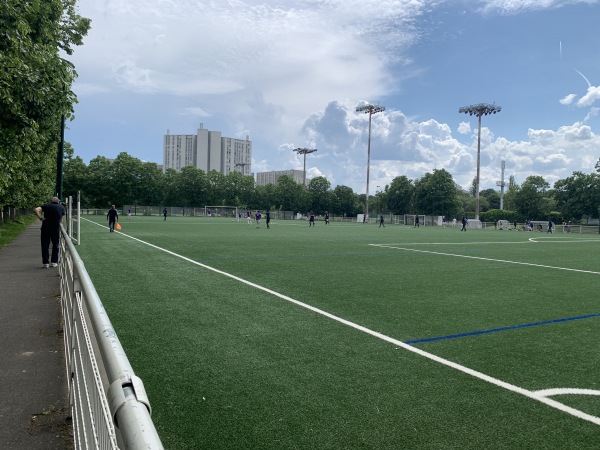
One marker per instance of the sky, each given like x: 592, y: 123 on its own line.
x: 290, y: 74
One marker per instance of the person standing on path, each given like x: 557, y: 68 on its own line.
x: 51, y: 215
x: 113, y: 217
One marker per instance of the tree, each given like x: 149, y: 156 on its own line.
x: 75, y: 176
x: 151, y: 183
x: 320, y: 195
x: 127, y: 175
x: 577, y: 195
x: 238, y: 189
x: 194, y: 188
x: 35, y: 93
x: 531, y: 200
x: 216, y: 188
x: 293, y: 196
x: 511, y: 193
x: 436, y: 194
x: 100, y: 188
x: 491, y: 198
x: 399, y: 195
x: 345, y: 201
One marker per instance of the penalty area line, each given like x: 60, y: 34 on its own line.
x: 466, y: 370
x: 481, y: 258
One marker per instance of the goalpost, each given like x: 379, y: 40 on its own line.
x: 409, y: 219
x: 221, y: 211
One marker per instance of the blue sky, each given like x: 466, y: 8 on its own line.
x: 291, y: 73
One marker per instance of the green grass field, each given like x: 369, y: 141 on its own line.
x: 296, y: 337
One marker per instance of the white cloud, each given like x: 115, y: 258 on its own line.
x: 590, y: 97
x: 291, y: 73
x: 518, y: 6
x: 567, y: 100
x: 464, y: 128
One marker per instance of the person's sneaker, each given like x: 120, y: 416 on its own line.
x: 45, y: 266
x: 53, y: 265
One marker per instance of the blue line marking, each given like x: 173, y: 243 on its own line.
x: 496, y: 330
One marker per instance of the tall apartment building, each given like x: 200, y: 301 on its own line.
x: 207, y: 150
x: 272, y: 177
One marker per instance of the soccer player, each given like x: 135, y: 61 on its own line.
x: 464, y: 223
x: 258, y: 216
x: 268, y: 218
x: 248, y: 217
x: 326, y: 217
x: 311, y: 219
x: 381, y: 221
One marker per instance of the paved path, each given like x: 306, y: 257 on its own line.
x: 34, y: 406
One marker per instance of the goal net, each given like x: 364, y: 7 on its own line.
x: 221, y: 211
x: 411, y: 220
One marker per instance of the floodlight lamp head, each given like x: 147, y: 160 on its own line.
x: 370, y: 109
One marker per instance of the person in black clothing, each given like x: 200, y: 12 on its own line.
x: 464, y: 223
x: 311, y: 219
x: 165, y: 213
x: 51, y: 215
x: 113, y: 217
x: 268, y: 218
x: 416, y: 221
x: 326, y: 217
x: 381, y: 221
x: 550, y: 225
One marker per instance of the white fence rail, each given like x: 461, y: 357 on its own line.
x: 109, y: 405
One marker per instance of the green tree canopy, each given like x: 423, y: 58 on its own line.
x: 399, y: 195
x: 35, y: 93
x: 320, y: 195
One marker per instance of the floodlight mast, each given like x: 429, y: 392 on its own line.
x: 481, y: 109
x: 305, y: 151
x: 501, y: 183
x: 370, y: 110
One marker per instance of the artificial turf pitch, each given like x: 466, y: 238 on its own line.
x: 295, y: 336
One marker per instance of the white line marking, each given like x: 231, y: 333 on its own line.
x: 481, y: 258
x: 566, y: 391
x: 534, y: 395
x: 567, y: 241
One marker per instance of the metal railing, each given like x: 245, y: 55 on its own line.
x: 109, y: 405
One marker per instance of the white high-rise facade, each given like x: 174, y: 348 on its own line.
x: 207, y: 150
x: 264, y: 178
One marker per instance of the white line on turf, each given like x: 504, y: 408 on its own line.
x: 540, y: 396
x: 481, y: 258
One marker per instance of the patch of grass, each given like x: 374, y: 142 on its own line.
x: 13, y: 228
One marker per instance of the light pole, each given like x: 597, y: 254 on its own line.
x: 370, y: 110
x: 305, y: 151
x: 242, y: 165
x: 501, y: 183
x: 482, y: 109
